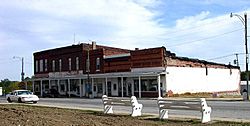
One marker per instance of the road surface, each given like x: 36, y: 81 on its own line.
x: 222, y: 110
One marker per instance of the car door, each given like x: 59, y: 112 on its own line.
x: 15, y: 98
x: 11, y: 96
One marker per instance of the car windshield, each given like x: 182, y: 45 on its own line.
x: 24, y: 93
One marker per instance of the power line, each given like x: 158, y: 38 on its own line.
x: 225, y: 56
x: 210, y: 37
x: 201, y: 25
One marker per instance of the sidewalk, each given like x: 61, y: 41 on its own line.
x: 186, y: 98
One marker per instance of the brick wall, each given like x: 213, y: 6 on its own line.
x: 59, y: 53
x: 121, y: 64
x: 186, y: 62
x: 147, y: 58
x: 153, y: 57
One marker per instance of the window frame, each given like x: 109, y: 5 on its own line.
x: 98, y: 65
x: 36, y: 69
x: 45, y: 65
x: 41, y: 65
x: 70, y: 64
x: 53, y: 65
x: 77, y: 63
x: 60, y: 65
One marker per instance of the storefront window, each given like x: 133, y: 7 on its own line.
x: 99, y: 88
x: 146, y: 85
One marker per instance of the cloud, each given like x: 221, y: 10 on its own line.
x: 34, y: 25
x: 40, y: 25
x: 205, y: 37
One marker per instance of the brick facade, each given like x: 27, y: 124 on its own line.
x: 122, y: 72
x: 111, y: 59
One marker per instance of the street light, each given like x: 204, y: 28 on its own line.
x: 88, y: 71
x: 22, y: 73
x: 244, y: 22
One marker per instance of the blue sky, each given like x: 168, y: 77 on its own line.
x: 191, y: 28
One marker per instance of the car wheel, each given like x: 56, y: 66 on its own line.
x: 34, y: 102
x: 8, y: 99
x: 19, y: 100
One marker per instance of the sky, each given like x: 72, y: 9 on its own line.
x: 200, y: 29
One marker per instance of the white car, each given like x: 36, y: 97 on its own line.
x: 22, y: 96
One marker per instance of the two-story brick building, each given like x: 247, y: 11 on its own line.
x: 90, y: 69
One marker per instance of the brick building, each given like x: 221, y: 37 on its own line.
x: 85, y: 70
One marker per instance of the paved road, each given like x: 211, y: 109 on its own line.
x: 225, y: 110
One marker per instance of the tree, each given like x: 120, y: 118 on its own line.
x: 5, y: 83
x: 8, y: 85
x: 243, y: 76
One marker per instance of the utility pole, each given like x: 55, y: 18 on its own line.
x: 244, y: 22
x: 22, y: 73
x: 245, y: 15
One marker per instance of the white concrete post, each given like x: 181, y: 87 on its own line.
x: 80, y: 82
x: 206, y: 111
x: 106, y: 86
x: 58, y: 85
x: 92, y: 79
x: 41, y: 88
x: 122, y: 85
x: 108, y: 109
x: 126, y: 88
x: 163, y: 113
x: 136, y: 107
x: 103, y: 88
x: 159, y: 85
x: 49, y: 84
x: 139, y: 86
x: 69, y: 87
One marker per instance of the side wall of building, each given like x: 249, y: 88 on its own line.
x: 193, y: 80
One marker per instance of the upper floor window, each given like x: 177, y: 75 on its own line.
x: 98, y: 64
x: 69, y: 64
x: 45, y: 65
x: 36, y: 65
x: 53, y: 65
x: 60, y: 65
x: 77, y: 63
x: 41, y: 65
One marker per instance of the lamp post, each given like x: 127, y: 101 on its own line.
x: 88, y: 71
x: 244, y: 22
x: 22, y: 73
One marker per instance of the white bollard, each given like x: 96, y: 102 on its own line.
x: 136, y: 107
x: 206, y: 111
x: 108, y: 109
x: 163, y: 113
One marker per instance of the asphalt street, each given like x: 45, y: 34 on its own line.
x: 221, y: 110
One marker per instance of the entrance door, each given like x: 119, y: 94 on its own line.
x: 129, y: 88
x: 109, y: 88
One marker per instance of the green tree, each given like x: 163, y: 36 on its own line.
x: 5, y: 84
x: 8, y: 86
x: 243, y: 76
x: 13, y: 86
